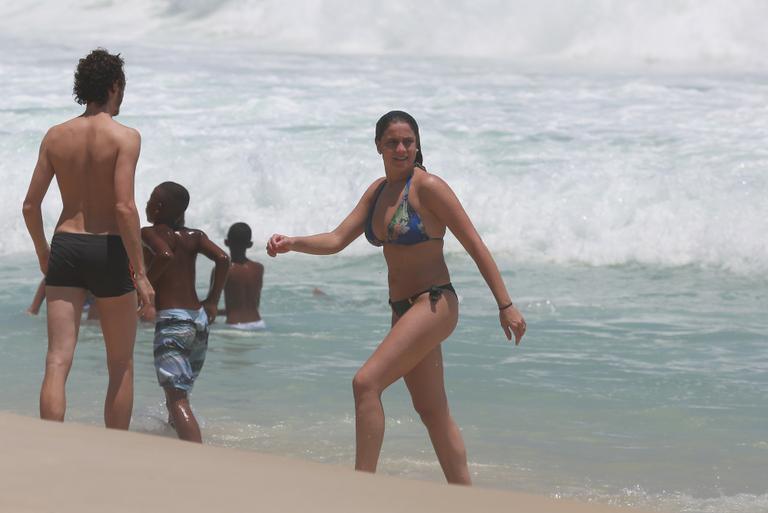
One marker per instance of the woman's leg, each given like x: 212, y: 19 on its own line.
x: 425, y: 383
x: 412, y: 338
x: 65, y: 305
x: 118, y: 324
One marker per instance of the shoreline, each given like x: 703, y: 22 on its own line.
x: 50, y: 466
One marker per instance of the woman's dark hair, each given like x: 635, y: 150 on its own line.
x: 396, y: 116
x: 96, y: 73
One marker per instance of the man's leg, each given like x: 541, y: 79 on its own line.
x: 181, y: 413
x: 65, y: 305
x: 118, y: 324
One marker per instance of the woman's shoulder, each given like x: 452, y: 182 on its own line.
x: 376, y: 184
x: 428, y: 181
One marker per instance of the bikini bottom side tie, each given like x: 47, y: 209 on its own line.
x: 402, y: 306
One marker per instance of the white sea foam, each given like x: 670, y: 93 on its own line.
x: 612, y: 34
x: 598, y: 169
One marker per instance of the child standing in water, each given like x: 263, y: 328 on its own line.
x: 242, y: 293
x: 181, y: 329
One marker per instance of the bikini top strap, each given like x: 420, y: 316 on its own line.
x: 407, y: 188
x: 369, y: 220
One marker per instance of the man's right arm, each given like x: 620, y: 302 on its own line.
x: 126, y: 214
x: 32, y: 210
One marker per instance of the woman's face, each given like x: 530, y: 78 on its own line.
x: 397, y: 146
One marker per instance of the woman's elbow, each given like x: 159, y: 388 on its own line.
x: 338, y: 242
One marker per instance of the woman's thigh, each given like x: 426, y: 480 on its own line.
x: 414, y: 336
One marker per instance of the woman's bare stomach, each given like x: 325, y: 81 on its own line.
x: 414, y: 269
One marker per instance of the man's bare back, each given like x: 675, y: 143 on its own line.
x: 88, y: 154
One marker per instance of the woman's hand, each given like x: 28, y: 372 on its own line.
x: 279, y: 244
x: 512, y: 323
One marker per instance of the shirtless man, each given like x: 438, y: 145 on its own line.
x: 96, y: 244
x: 242, y: 293
x: 181, y: 329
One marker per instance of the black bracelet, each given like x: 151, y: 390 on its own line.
x: 506, y: 306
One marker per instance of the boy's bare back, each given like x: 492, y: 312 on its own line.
x: 242, y: 292
x: 176, y: 251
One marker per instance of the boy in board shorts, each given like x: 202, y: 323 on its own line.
x: 181, y: 329
x: 242, y: 293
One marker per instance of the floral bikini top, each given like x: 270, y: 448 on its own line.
x: 405, y: 227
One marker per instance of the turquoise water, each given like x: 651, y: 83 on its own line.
x: 635, y: 385
x: 613, y: 158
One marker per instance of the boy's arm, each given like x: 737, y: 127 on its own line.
x: 219, y: 311
x: 259, y: 284
x: 220, y: 257
x: 162, y: 254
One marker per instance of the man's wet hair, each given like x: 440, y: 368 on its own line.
x: 95, y: 75
x: 239, y: 234
x: 398, y: 116
x: 176, y: 197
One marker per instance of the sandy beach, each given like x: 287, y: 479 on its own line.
x: 49, y: 466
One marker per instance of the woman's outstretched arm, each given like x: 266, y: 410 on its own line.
x: 438, y: 197
x: 331, y: 242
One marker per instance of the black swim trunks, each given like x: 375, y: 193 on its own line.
x: 97, y: 263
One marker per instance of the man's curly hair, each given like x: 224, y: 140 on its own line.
x: 95, y: 75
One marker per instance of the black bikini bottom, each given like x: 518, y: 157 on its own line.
x: 402, y: 306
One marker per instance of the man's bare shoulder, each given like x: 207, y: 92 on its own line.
x: 124, y: 135
x: 121, y: 133
x: 56, y: 132
x: 126, y: 130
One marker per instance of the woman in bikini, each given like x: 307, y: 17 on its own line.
x: 407, y: 212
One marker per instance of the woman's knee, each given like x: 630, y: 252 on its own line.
x: 364, y: 385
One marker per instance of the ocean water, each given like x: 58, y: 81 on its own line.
x: 613, y: 158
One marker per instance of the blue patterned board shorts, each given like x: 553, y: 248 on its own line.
x: 181, y: 341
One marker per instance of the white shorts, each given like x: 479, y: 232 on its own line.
x: 249, y: 326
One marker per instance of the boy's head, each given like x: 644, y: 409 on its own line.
x: 98, y: 75
x: 239, y: 236
x: 167, y: 204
